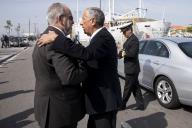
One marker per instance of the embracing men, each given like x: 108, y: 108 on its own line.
x: 102, y: 86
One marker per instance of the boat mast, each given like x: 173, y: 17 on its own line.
x: 163, y: 15
x: 140, y: 10
x: 77, y: 24
x: 113, y: 8
x: 140, y: 7
x: 77, y: 9
x: 109, y: 10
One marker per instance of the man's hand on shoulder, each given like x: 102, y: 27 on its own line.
x: 47, y: 38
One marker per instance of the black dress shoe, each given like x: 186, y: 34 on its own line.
x: 123, y: 107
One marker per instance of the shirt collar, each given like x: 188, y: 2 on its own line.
x: 58, y: 29
x: 95, y: 32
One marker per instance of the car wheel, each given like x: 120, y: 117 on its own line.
x: 166, y: 93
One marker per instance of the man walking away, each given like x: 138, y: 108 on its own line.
x: 130, y: 53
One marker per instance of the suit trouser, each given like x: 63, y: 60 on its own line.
x: 3, y: 44
x: 105, y: 120
x: 64, y: 126
x: 132, y: 85
x: 67, y: 126
x: 48, y: 120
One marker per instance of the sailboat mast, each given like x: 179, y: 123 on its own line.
x: 140, y: 7
x: 77, y: 11
x: 113, y: 6
x: 109, y: 10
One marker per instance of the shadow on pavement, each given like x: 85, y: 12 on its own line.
x: 13, y: 61
x: 187, y: 108
x: 3, y: 66
x: 17, y: 120
x: 11, y: 94
x: 131, y: 106
x: 156, y: 120
x: 17, y: 60
x: 3, y: 82
x: 148, y: 97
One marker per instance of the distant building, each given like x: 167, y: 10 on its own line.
x: 179, y: 31
x: 178, y: 27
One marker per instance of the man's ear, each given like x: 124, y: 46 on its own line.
x: 60, y: 18
x: 93, y: 21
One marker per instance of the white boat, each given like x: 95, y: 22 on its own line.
x: 143, y: 27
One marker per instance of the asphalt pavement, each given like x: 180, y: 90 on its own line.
x: 17, y: 95
x: 7, y: 53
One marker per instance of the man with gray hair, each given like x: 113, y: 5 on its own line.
x: 102, y: 87
x: 59, y: 99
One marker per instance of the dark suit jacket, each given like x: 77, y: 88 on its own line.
x: 102, y: 87
x: 131, y: 61
x: 58, y: 95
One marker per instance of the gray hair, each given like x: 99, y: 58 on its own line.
x: 98, y: 14
x: 54, y: 11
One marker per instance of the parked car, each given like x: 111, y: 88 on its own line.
x: 166, y: 69
x: 18, y: 41
x: 14, y: 41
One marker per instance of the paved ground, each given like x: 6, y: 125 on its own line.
x: 17, y: 93
x: 6, y: 53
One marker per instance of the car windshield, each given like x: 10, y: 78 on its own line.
x: 186, y: 47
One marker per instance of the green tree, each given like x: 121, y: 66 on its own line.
x: 8, y: 26
x: 189, y: 29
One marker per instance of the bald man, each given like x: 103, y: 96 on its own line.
x: 59, y: 99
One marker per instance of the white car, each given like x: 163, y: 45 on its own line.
x: 166, y: 69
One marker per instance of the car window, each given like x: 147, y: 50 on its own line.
x: 156, y: 48
x: 186, y: 47
x: 163, y: 52
x: 141, y: 46
x: 151, y: 48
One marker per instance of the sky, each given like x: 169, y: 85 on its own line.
x: 22, y: 11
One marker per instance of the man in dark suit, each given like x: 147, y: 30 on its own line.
x: 130, y: 53
x: 59, y: 98
x: 3, y: 42
x: 102, y: 87
x: 6, y: 39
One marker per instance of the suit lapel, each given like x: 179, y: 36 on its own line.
x: 128, y: 40
x: 97, y: 35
